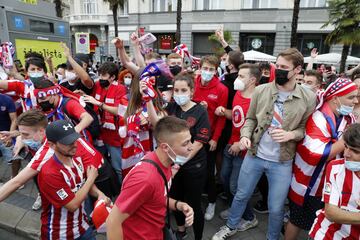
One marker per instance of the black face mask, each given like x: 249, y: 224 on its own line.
x: 264, y: 80
x: 104, y: 83
x: 46, y: 106
x: 175, y: 70
x: 281, y: 76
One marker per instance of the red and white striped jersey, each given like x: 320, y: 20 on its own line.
x: 58, y: 184
x: 342, y: 189
x: 130, y: 152
x: 84, y: 150
x: 25, y: 90
x: 316, y: 145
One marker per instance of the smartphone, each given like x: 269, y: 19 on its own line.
x: 18, y: 64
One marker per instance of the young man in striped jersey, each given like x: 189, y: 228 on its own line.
x: 65, y: 182
x: 340, y: 218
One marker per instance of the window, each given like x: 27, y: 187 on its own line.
x: 312, y: 3
x: 308, y: 41
x: 208, y: 4
x: 261, y: 42
x: 164, y: 5
x: 41, y: 26
x: 201, y: 44
x: 259, y: 4
x: 355, y: 50
x: 89, y: 7
x: 165, y: 43
x: 124, y: 11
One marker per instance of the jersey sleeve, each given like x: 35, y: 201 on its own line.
x: 16, y: 86
x: 41, y: 157
x: 202, y: 128
x: 331, y: 192
x: 136, y: 190
x: 89, y: 155
x: 74, y: 109
x: 55, y: 189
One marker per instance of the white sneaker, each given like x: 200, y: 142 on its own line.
x: 224, y: 233
x: 210, y: 211
x: 225, y: 214
x: 245, y: 225
x: 37, y: 204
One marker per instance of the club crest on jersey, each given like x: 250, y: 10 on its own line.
x: 62, y: 194
x: 327, y: 188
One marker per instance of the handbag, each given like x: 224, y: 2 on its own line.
x: 168, y: 233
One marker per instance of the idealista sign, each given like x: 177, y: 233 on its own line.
x: 45, y: 48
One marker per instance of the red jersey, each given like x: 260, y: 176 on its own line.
x: 240, y: 108
x: 113, y: 96
x: 341, y: 189
x: 25, y: 90
x: 84, y: 150
x: 58, y: 184
x: 215, y: 94
x: 143, y: 197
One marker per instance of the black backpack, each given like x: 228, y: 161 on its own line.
x: 94, y: 127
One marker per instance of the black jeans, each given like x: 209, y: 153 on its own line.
x: 187, y: 186
x: 211, y: 182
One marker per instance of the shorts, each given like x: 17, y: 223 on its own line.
x: 304, y: 216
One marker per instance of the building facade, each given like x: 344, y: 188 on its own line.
x: 262, y: 25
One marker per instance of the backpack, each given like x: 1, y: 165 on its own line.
x: 94, y: 127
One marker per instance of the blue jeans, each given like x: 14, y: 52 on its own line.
x: 115, y: 156
x: 88, y: 235
x: 279, y: 178
x: 6, y: 152
x: 229, y: 174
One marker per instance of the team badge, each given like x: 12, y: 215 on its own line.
x: 62, y: 194
x: 327, y: 188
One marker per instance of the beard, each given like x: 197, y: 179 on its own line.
x: 69, y: 153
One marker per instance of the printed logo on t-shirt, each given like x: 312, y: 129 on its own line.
x: 191, y: 121
x: 212, y: 96
x: 238, y: 118
x: 62, y: 194
x: 327, y: 188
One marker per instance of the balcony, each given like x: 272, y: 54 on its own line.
x: 86, y: 19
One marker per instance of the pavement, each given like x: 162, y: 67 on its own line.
x: 18, y: 221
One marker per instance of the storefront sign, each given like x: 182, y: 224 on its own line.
x: 82, y: 41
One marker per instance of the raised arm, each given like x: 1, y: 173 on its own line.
x: 119, y: 44
x: 137, y: 52
x: 313, y: 56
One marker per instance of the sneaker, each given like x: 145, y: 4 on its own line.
x: 37, y: 204
x: 181, y: 235
x: 210, y: 211
x: 224, y: 233
x: 245, y: 225
x: 225, y: 214
x: 261, y: 207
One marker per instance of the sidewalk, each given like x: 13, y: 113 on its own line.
x: 16, y: 215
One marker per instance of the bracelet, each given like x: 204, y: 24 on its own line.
x: 176, y: 202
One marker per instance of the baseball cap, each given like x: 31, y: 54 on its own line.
x: 62, y: 131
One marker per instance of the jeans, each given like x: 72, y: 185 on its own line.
x: 88, y: 235
x: 279, y: 178
x: 229, y: 176
x: 6, y: 152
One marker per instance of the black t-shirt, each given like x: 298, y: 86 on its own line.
x: 164, y: 83
x: 197, y: 119
x: 78, y: 85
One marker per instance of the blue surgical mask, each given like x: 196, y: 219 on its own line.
x: 36, y: 74
x: 206, y: 75
x: 180, y: 160
x: 352, y: 166
x: 223, y: 65
x: 181, y: 99
x: 31, y: 143
x: 345, y: 110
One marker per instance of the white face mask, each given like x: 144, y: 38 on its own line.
x: 69, y: 76
x: 181, y: 100
x: 36, y: 74
x: 127, y: 81
x: 239, y: 85
x: 180, y: 160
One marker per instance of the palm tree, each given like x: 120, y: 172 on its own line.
x: 178, y: 22
x: 114, y: 6
x: 58, y: 8
x: 294, y: 24
x: 344, y: 16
